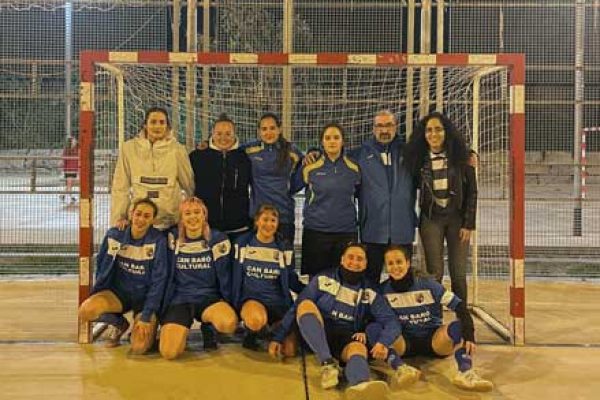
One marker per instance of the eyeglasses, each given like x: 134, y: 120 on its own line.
x: 386, y: 125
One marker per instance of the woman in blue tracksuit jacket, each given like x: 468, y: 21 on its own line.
x: 332, y: 314
x: 330, y: 220
x: 131, y: 275
x: 263, y: 276
x: 275, y: 173
x: 199, y: 284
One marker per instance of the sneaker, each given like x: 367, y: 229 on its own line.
x: 114, y: 333
x: 404, y: 376
x: 329, y: 374
x: 370, y: 390
x: 209, y: 338
x: 470, y: 380
x: 250, y: 341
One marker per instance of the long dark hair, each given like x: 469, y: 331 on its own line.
x: 416, y: 150
x: 282, y: 145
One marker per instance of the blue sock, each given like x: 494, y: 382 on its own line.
x: 463, y: 360
x: 373, y: 331
x: 357, y: 370
x: 314, y: 333
x: 394, y: 360
x: 455, y: 332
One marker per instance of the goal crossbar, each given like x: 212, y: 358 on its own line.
x: 482, y: 65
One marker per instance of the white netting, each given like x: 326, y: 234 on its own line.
x: 349, y: 95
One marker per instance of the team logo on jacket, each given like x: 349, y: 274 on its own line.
x: 150, y: 251
x: 222, y: 248
x: 420, y: 298
x: 276, y: 255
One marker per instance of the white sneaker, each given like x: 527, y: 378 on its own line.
x: 470, y: 380
x: 404, y: 376
x: 370, y: 390
x: 329, y: 375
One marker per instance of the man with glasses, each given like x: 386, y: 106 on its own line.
x: 386, y: 197
x: 387, y: 194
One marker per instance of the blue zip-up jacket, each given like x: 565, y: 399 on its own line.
x: 263, y: 257
x: 346, y: 304
x: 330, y: 193
x: 199, y: 269
x: 386, y: 199
x: 418, y: 309
x: 144, y: 263
x: 271, y: 186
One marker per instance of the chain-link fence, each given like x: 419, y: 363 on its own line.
x: 41, y: 40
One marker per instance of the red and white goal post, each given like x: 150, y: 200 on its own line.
x: 484, y: 94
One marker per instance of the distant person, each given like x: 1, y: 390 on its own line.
x: 152, y: 165
x: 131, y: 275
x: 70, y: 160
x: 440, y: 161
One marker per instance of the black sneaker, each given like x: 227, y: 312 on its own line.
x: 209, y: 338
x: 250, y: 341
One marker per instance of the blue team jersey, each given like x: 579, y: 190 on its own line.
x: 201, y: 268
x: 136, y: 267
x: 131, y: 264
x: 270, y: 184
x: 331, y: 186
x: 419, y: 308
x: 262, y: 268
x: 348, y: 306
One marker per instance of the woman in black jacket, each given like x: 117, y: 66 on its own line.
x: 222, y: 175
x: 438, y: 158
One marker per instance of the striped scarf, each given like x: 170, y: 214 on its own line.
x: 439, y: 169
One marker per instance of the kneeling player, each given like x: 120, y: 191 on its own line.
x: 131, y: 275
x: 417, y: 301
x: 263, y: 275
x: 199, y: 285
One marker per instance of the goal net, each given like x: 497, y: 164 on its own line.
x: 482, y: 94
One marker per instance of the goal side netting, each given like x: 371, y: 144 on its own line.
x: 482, y: 94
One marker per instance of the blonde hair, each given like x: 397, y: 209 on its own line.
x: 182, y: 207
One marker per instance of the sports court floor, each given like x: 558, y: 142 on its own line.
x: 58, y: 368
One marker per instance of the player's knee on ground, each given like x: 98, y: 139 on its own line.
x: 441, y: 343
x: 222, y: 317
x: 354, y: 349
x: 254, y: 315
x: 308, y: 307
x: 173, y: 339
x: 399, y: 346
x: 96, y: 305
x: 140, y: 344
